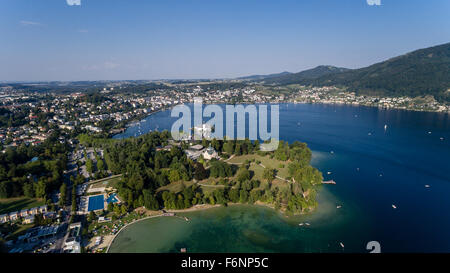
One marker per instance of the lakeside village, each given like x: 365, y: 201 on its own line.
x: 66, y: 186
x: 31, y: 117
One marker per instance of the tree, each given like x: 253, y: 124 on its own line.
x: 100, y: 165
x: 243, y: 196
x: 92, y: 216
x: 123, y: 209
x: 41, y: 189
x: 228, y: 147
x: 28, y: 190
x: 243, y: 174
x: 269, y: 174
x: 150, y: 201
x: 62, y: 198
x: 237, y: 150
x: 233, y: 195
x: 200, y: 173
x: 174, y: 175
x: 90, y: 165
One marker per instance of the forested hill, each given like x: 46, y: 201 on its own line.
x: 262, y: 77
x: 300, y: 77
x: 304, y: 76
x: 421, y: 72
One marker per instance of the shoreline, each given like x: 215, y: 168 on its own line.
x: 198, y: 208
x: 160, y: 214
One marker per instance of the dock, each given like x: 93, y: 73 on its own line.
x: 329, y: 182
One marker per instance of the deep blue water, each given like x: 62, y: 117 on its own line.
x: 373, y: 171
x: 96, y: 202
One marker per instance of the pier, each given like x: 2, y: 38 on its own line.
x: 332, y: 182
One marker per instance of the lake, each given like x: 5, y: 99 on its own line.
x: 374, y: 168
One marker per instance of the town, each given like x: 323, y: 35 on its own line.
x: 56, y: 193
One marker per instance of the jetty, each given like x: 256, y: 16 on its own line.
x: 329, y: 182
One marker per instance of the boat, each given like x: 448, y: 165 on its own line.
x: 394, y: 206
x: 328, y: 172
x: 342, y: 245
x: 441, y: 138
x: 427, y: 186
x: 307, y: 224
x: 385, y: 127
x: 338, y: 207
x: 301, y: 224
x: 369, y: 134
x: 429, y: 133
x: 331, y: 152
x: 357, y: 169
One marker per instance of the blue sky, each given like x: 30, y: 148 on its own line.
x: 153, y: 39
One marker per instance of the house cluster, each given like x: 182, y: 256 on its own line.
x: 196, y: 151
x: 27, y: 215
x: 333, y: 95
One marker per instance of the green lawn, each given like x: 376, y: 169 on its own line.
x: 266, y: 161
x: 107, y: 183
x: 175, y: 187
x: 18, y: 203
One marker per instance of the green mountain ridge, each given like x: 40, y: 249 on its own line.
x: 418, y: 73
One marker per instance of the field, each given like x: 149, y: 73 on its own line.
x: 212, y: 184
x: 18, y: 203
x: 105, y: 183
x: 266, y: 161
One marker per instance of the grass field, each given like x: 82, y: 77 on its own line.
x: 106, y: 183
x: 175, y: 187
x: 18, y: 203
x: 212, y: 184
x: 266, y: 161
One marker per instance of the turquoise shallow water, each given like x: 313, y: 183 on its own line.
x: 374, y: 168
x: 238, y: 228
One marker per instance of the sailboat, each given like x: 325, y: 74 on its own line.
x: 385, y: 127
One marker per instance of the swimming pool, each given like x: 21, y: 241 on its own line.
x: 96, y: 202
x: 112, y: 199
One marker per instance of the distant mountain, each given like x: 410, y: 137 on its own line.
x: 421, y: 72
x: 262, y: 77
x: 305, y: 75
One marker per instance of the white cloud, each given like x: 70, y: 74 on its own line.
x: 73, y: 2
x: 29, y: 23
x: 374, y: 2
